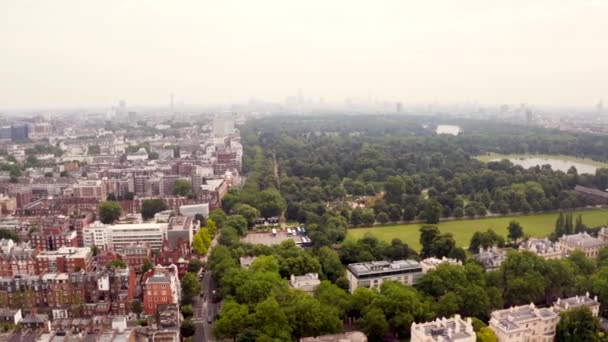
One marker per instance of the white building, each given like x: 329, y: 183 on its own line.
x: 90, y: 189
x: 12, y: 316
x: 141, y: 154
x: 350, y: 336
x: 307, y: 282
x: 544, y: 248
x: 191, y: 210
x: 490, y: 258
x: 6, y: 245
x: 373, y: 274
x: 583, y: 242
x: 524, y: 323
x: 444, y: 330
x: 603, y: 234
x: 120, y: 235
x: 432, y: 263
x: 578, y: 301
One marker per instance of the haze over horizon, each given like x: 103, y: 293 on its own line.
x: 73, y: 53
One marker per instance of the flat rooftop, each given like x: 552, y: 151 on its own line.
x: 269, y: 239
x: 67, y: 252
x: 379, y: 267
x: 515, y: 318
x: 576, y: 301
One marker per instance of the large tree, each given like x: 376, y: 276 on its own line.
x: 109, y: 211
x: 182, y: 187
x: 187, y: 329
x: 428, y: 234
x: 150, y: 207
x: 516, y: 231
x: 270, y: 203
x: 374, y: 324
x: 238, y: 223
x: 232, y: 321
x: 249, y: 213
x: 270, y: 321
x: 219, y: 217
x: 432, y: 211
x: 485, y: 240
x: 394, y: 188
x: 330, y: 263
x: 191, y: 287
x: 308, y: 317
x: 577, y: 324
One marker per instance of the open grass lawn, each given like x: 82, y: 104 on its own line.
x: 539, y: 225
x: 493, y: 156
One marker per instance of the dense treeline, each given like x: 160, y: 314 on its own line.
x: 331, y: 172
x: 259, y: 305
x: 335, y: 161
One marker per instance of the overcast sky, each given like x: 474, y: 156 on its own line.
x: 79, y: 53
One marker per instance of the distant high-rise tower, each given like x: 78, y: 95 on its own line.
x: 600, y: 107
x: 122, y: 108
x: 399, y: 107
x: 529, y: 117
x: 172, y: 108
x: 223, y: 124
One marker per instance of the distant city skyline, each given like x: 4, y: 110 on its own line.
x: 71, y: 54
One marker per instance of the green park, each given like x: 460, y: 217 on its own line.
x: 535, y: 225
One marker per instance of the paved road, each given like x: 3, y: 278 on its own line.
x: 204, y: 306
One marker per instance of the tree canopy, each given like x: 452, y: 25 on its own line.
x: 109, y: 211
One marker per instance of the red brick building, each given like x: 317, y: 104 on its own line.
x: 212, y: 192
x: 17, y: 259
x: 51, y: 239
x: 64, y: 259
x: 135, y: 255
x: 84, y: 293
x: 178, y: 255
x: 161, y: 286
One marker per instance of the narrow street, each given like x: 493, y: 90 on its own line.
x: 204, y: 306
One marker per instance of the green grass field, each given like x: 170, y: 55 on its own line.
x: 539, y: 225
x: 493, y: 156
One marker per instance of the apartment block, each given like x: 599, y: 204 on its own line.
x: 490, y: 258
x: 524, y: 323
x: 161, y: 286
x: 544, y: 248
x: 583, y: 242
x: 453, y: 329
x: 90, y: 189
x: 17, y: 259
x: 64, y: 259
x: 373, y: 274
x: 578, y: 301
x: 117, y: 236
x: 83, y: 293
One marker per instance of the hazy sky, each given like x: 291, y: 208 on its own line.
x: 78, y: 53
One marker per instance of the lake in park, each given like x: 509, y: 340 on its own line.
x: 556, y: 164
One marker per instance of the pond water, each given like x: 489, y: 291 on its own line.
x: 448, y: 129
x: 556, y: 164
